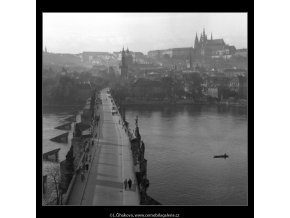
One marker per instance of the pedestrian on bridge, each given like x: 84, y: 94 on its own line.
x: 129, y: 183
x: 125, y: 184
x: 82, y: 176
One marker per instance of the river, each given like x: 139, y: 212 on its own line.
x: 51, y: 118
x: 180, y: 142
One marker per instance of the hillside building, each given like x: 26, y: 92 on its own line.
x: 212, y: 47
x: 203, y: 47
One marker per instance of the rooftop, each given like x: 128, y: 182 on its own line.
x: 216, y: 42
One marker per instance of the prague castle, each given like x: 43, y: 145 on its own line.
x: 203, y: 47
x: 211, y: 47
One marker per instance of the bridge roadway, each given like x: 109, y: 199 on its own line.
x: 111, y: 164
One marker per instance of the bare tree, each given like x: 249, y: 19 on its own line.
x: 54, y: 173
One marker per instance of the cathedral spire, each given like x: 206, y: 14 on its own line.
x: 196, y: 41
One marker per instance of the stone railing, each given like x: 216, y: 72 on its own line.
x: 87, y: 145
x: 72, y: 182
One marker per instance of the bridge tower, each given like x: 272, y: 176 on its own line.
x: 124, y: 66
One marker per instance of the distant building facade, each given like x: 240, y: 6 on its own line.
x: 242, y: 52
x: 176, y: 53
x: 137, y: 57
x: 203, y: 47
x: 231, y: 72
x: 93, y: 56
x: 212, y: 47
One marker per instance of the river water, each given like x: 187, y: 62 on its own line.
x: 180, y: 143
x: 51, y: 118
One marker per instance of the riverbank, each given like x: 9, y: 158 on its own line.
x: 69, y: 109
x: 192, y: 102
x: 62, y: 106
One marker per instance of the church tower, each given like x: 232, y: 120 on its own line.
x: 203, y: 43
x: 204, y: 35
x: 124, y: 66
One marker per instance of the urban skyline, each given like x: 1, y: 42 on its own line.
x: 78, y: 32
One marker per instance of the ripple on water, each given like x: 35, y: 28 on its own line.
x: 180, y: 145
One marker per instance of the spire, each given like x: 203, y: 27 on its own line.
x: 204, y: 35
x: 136, y: 121
x: 211, y: 36
x: 196, y: 41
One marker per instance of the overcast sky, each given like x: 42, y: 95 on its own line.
x: 78, y: 32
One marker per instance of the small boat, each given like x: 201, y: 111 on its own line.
x: 221, y: 156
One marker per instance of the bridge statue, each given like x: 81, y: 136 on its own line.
x: 136, y: 121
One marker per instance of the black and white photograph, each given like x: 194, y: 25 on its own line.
x: 144, y: 109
